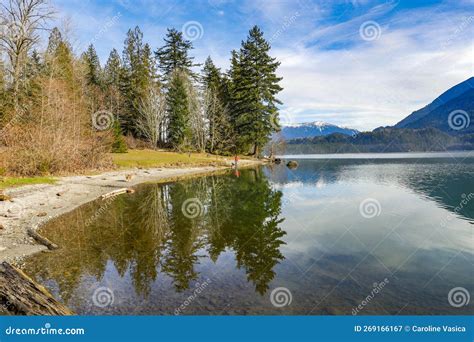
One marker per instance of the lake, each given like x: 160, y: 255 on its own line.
x: 332, y: 237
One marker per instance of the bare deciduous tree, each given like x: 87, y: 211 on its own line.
x: 196, y: 120
x: 151, y: 115
x: 277, y: 145
x: 21, y: 21
x: 220, y: 134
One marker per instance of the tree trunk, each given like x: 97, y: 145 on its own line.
x: 20, y: 295
x: 255, y: 151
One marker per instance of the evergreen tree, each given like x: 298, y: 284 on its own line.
x: 33, y: 70
x: 93, y: 70
x: 35, y: 64
x: 112, y: 78
x: 137, y: 76
x: 118, y: 145
x: 233, y: 101
x: 211, y: 75
x: 63, y: 63
x: 175, y: 54
x: 147, y: 69
x: 254, y: 89
x: 186, y: 124
x: 112, y: 69
x: 179, y: 132
x: 55, y: 38
x: 58, y: 58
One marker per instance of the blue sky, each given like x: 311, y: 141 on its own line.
x: 356, y: 63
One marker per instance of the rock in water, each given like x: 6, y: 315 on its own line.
x: 292, y: 164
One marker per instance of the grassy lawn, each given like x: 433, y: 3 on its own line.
x: 133, y: 158
x: 7, y: 182
x: 151, y: 158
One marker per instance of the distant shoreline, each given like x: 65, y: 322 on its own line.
x: 381, y: 155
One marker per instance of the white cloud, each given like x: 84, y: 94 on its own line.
x: 375, y: 83
x: 330, y: 73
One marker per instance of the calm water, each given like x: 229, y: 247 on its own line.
x: 393, y: 236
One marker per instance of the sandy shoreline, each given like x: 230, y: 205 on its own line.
x: 34, y: 205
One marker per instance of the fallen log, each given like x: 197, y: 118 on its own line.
x: 41, y: 239
x: 20, y: 295
x: 117, y: 192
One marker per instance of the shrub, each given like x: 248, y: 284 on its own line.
x: 119, y: 145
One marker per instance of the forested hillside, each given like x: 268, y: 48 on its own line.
x: 382, y: 140
x: 63, y: 110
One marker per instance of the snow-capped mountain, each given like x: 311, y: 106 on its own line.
x: 312, y: 129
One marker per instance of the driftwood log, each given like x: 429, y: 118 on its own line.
x: 20, y: 295
x: 117, y: 192
x: 41, y: 239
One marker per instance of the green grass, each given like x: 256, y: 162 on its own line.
x: 131, y: 159
x: 151, y: 158
x: 7, y: 182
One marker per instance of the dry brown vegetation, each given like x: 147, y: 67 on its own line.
x: 53, y: 133
x: 46, y: 108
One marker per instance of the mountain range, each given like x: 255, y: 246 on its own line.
x: 313, y: 129
x: 451, y: 112
x: 447, y: 123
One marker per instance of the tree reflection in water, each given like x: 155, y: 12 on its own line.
x: 146, y: 234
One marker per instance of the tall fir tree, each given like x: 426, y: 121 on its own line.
x: 174, y: 54
x: 178, y: 111
x: 93, y: 69
x: 55, y: 38
x: 254, y: 89
x: 176, y: 64
x: 147, y: 69
x: 112, y: 77
x: 112, y: 69
x: 211, y: 75
x: 137, y: 75
x: 63, y: 63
